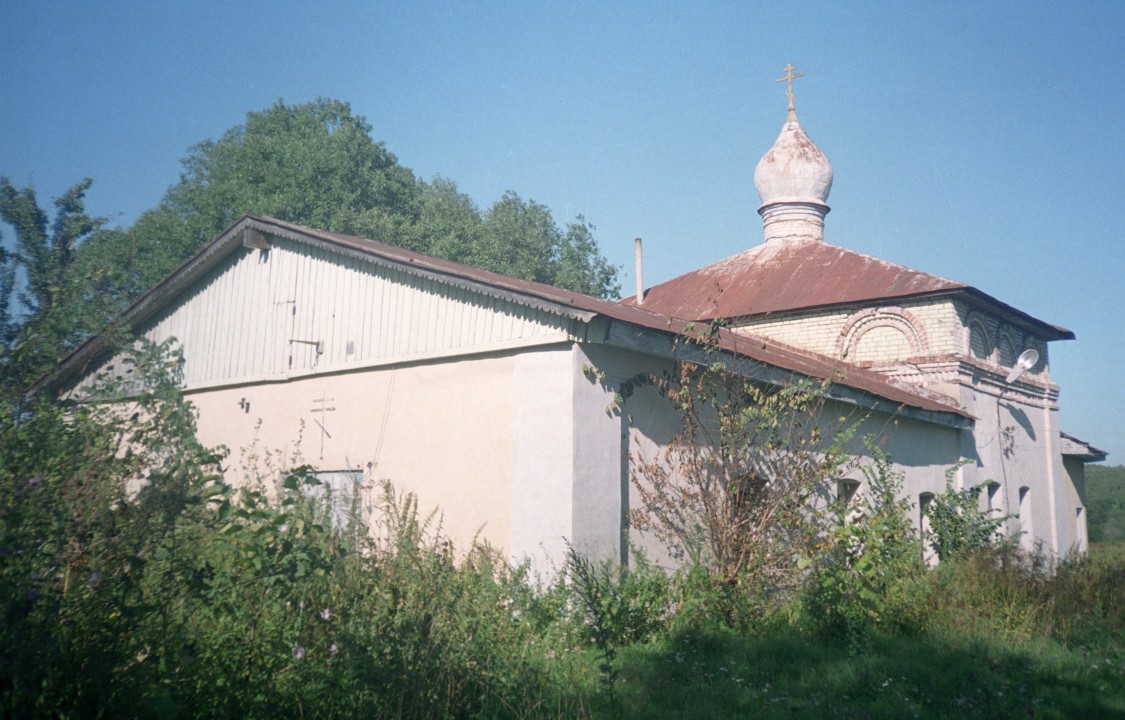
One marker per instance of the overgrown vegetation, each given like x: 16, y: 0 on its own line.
x: 867, y: 571
x: 134, y: 582
x: 735, y: 492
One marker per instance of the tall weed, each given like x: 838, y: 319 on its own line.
x: 135, y: 583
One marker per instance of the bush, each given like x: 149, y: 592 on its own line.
x: 868, y: 572
x: 957, y: 524
x: 135, y: 583
x: 734, y: 491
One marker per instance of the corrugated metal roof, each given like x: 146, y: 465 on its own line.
x: 779, y: 277
x: 527, y: 292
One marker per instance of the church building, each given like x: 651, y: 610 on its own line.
x: 494, y: 398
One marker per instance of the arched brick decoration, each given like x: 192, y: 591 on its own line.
x: 980, y: 345
x: 891, y: 333
x: 1009, y: 344
x: 1041, y: 348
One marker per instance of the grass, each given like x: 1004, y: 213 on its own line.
x: 1108, y: 552
x: 1007, y: 640
x: 791, y: 674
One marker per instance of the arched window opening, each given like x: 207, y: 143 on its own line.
x: 846, y: 488
x: 1027, y: 530
x: 1081, y: 539
x: 924, y: 501
x: 994, y: 496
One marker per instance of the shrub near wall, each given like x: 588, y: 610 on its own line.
x: 190, y: 598
x: 867, y: 572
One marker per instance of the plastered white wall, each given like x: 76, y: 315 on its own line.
x: 441, y: 430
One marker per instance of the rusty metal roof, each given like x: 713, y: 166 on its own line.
x: 784, y: 277
x: 768, y: 352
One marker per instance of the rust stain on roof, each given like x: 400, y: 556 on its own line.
x: 785, y: 277
x: 781, y: 277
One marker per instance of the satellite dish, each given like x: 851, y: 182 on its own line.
x: 1027, y: 360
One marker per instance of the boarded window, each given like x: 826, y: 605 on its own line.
x: 341, y: 493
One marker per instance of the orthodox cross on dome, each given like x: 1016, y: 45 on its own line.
x: 789, y: 77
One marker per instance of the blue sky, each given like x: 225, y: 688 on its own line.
x: 977, y: 141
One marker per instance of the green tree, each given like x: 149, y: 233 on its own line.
x: 581, y: 266
x: 313, y: 164
x: 449, y: 224
x: 521, y: 239
x: 53, y: 318
x: 316, y: 164
x: 516, y: 237
x: 7, y: 290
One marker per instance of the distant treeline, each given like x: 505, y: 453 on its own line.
x: 1105, y: 502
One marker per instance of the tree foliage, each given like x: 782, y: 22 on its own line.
x: 862, y: 576
x: 57, y: 305
x: 958, y: 524
x: 316, y: 164
x: 515, y: 237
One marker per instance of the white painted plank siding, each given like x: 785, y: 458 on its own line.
x: 294, y: 309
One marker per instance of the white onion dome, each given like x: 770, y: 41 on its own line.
x: 794, y: 169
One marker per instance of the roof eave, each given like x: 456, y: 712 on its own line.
x: 668, y: 345
x: 1050, y: 331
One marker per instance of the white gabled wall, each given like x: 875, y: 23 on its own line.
x: 296, y: 310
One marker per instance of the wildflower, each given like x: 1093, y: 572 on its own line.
x: 333, y: 650
x: 326, y: 613
x: 93, y: 579
x: 299, y: 652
